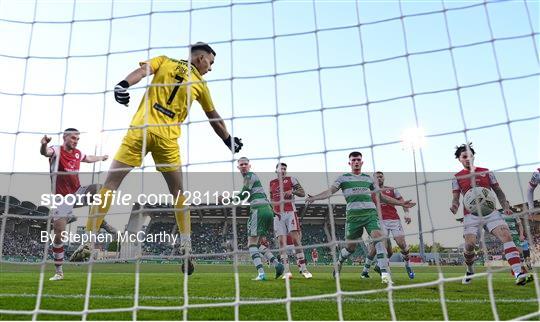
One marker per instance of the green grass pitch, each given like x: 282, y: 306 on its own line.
x: 161, y: 285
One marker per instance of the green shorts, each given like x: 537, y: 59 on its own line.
x: 261, y: 218
x: 354, y: 225
x: 515, y: 239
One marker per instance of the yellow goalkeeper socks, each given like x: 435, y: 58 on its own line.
x: 98, y: 212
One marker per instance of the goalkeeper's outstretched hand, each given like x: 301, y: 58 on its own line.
x: 235, y: 145
x: 121, y: 94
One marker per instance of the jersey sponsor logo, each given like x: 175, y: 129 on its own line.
x: 360, y: 189
x: 163, y: 110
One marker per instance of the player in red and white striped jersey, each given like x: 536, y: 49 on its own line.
x: 282, y: 192
x: 315, y: 256
x: 65, y: 161
x: 391, y: 224
x: 472, y: 176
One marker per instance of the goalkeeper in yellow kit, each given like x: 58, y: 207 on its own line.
x: 155, y: 128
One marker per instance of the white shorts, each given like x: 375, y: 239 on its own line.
x: 472, y: 223
x: 65, y: 210
x: 392, y: 226
x: 287, y: 223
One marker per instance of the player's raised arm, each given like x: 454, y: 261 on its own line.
x: 220, y: 128
x: 298, y: 190
x: 44, y: 150
x: 95, y: 158
x: 323, y: 195
x: 121, y: 94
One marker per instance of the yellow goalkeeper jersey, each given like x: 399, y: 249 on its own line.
x: 166, y: 102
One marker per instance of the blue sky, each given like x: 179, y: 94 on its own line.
x: 314, y: 80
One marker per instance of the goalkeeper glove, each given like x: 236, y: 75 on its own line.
x: 236, y: 146
x: 121, y: 94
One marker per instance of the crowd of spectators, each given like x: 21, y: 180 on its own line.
x: 23, y: 246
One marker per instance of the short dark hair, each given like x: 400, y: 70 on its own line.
x: 281, y: 164
x: 355, y: 154
x: 71, y: 130
x: 242, y: 159
x: 462, y: 148
x: 379, y: 172
x: 202, y: 46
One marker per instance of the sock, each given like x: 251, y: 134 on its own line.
x: 511, y: 254
x: 285, y: 262
x: 183, y: 222
x: 382, y: 261
x: 263, y: 249
x: 405, y: 256
x: 469, y: 260
x: 301, y: 261
x: 526, y: 253
x: 343, y: 255
x: 367, y: 264
x: 58, y: 254
x: 256, y: 257
x: 98, y: 212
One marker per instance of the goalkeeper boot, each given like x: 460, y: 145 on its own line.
x: 334, y: 273
x: 377, y: 269
x: 306, y: 274
x: 280, y: 268
x: 386, y: 278
x: 81, y: 254
x: 260, y: 277
x: 57, y: 277
x: 521, y: 279
x: 410, y: 272
x: 365, y: 274
x: 467, y: 279
x: 187, y: 262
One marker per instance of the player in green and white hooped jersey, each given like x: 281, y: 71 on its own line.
x: 261, y: 217
x: 361, y: 212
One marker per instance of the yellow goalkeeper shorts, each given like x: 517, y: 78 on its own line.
x: 165, y: 152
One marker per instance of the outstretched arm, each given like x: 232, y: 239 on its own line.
x: 217, y: 123
x: 323, y: 195
x: 393, y: 201
x: 135, y: 76
x: 95, y: 158
x: 121, y: 95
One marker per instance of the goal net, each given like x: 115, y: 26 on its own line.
x: 300, y: 82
